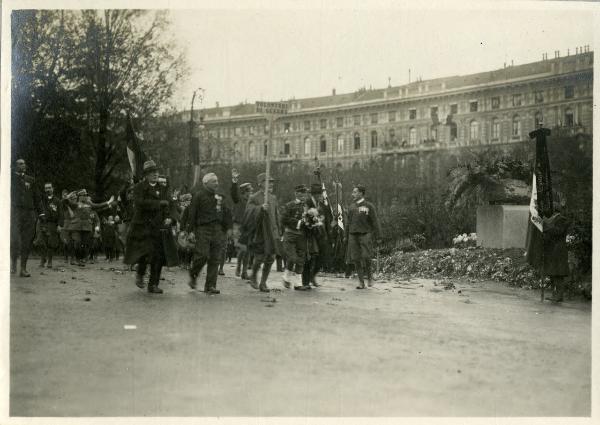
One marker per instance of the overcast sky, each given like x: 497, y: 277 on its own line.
x: 249, y: 55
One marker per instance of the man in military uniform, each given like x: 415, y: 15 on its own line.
x: 320, y: 257
x: 261, y: 221
x: 153, y: 213
x: 209, y: 223
x: 361, y: 228
x: 293, y: 221
x: 24, y: 210
x: 51, y: 221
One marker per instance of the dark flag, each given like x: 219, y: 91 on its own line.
x: 542, y: 180
x: 541, y: 208
x: 134, y: 152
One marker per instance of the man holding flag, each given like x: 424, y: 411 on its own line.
x: 546, y: 245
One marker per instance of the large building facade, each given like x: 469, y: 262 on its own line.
x: 498, y: 107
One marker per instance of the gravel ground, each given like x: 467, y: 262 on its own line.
x: 401, y: 348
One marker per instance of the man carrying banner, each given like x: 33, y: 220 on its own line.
x: 546, y: 233
x: 262, y: 224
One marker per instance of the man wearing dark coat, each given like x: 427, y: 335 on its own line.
x: 322, y: 255
x: 51, y: 222
x: 24, y: 211
x: 261, y: 222
x: 361, y: 228
x: 547, y: 251
x: 293, y: 221
x: 209, y: 222
x: 153, y: 214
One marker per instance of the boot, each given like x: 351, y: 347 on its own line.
x: 154, y: 289
x: 369, y: 274
x: 301, y: 283
x: 13, y: 266
x: 361, y: 281
x: 139, y: 281
x: 49, y: 265
x: 279, y: 263
x: 558, y: 292
x: 24, y: 272
x: 193, y: 283
x: 263, y: 278
x: 254, y: 275
x: 238, y: 267
x: 43, y: 262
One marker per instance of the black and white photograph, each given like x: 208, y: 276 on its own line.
x: 298, y: 211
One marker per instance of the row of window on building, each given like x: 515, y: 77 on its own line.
x: 376, y: 117
x: 474, y: 134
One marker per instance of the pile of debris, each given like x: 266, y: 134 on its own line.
x: 506, y: 265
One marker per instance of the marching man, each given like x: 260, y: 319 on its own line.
x: 362, y: 227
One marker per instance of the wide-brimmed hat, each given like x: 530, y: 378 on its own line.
x: 149, y: 167
x: 261, y: 178
x: 316, y: 189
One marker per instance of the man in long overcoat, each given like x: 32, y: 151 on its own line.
x: 547, y: 252
x: 261, y: 222
x: 24, y: 211
x: 153, y: 214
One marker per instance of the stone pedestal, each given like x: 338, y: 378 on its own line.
x: 502, y: 226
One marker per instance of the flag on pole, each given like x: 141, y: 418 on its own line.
x: 134, y: 152
x: 541, y: 204
x: 536, y: 220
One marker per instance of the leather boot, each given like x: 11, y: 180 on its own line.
x: 139, y: 281
x: 263, y: 278
x: 254, y: 276
x: 24, y: 272
x: 359, y: 272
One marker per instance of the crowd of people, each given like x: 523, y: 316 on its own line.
x: 153, y: 226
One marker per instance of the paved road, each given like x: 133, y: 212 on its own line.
x: 402, y: 348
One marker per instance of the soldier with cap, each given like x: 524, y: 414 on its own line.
x: 24, y: 210
x: 82, y: 223
x: 51, y: 222
x: 153, y: 213
x: 293, y: 220
x: 209, y: 222
x: 361, y: 228
x: 261, y: 221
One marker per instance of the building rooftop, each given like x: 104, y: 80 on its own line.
x: 558, y: 65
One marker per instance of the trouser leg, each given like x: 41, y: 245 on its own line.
x: 27, y: 235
